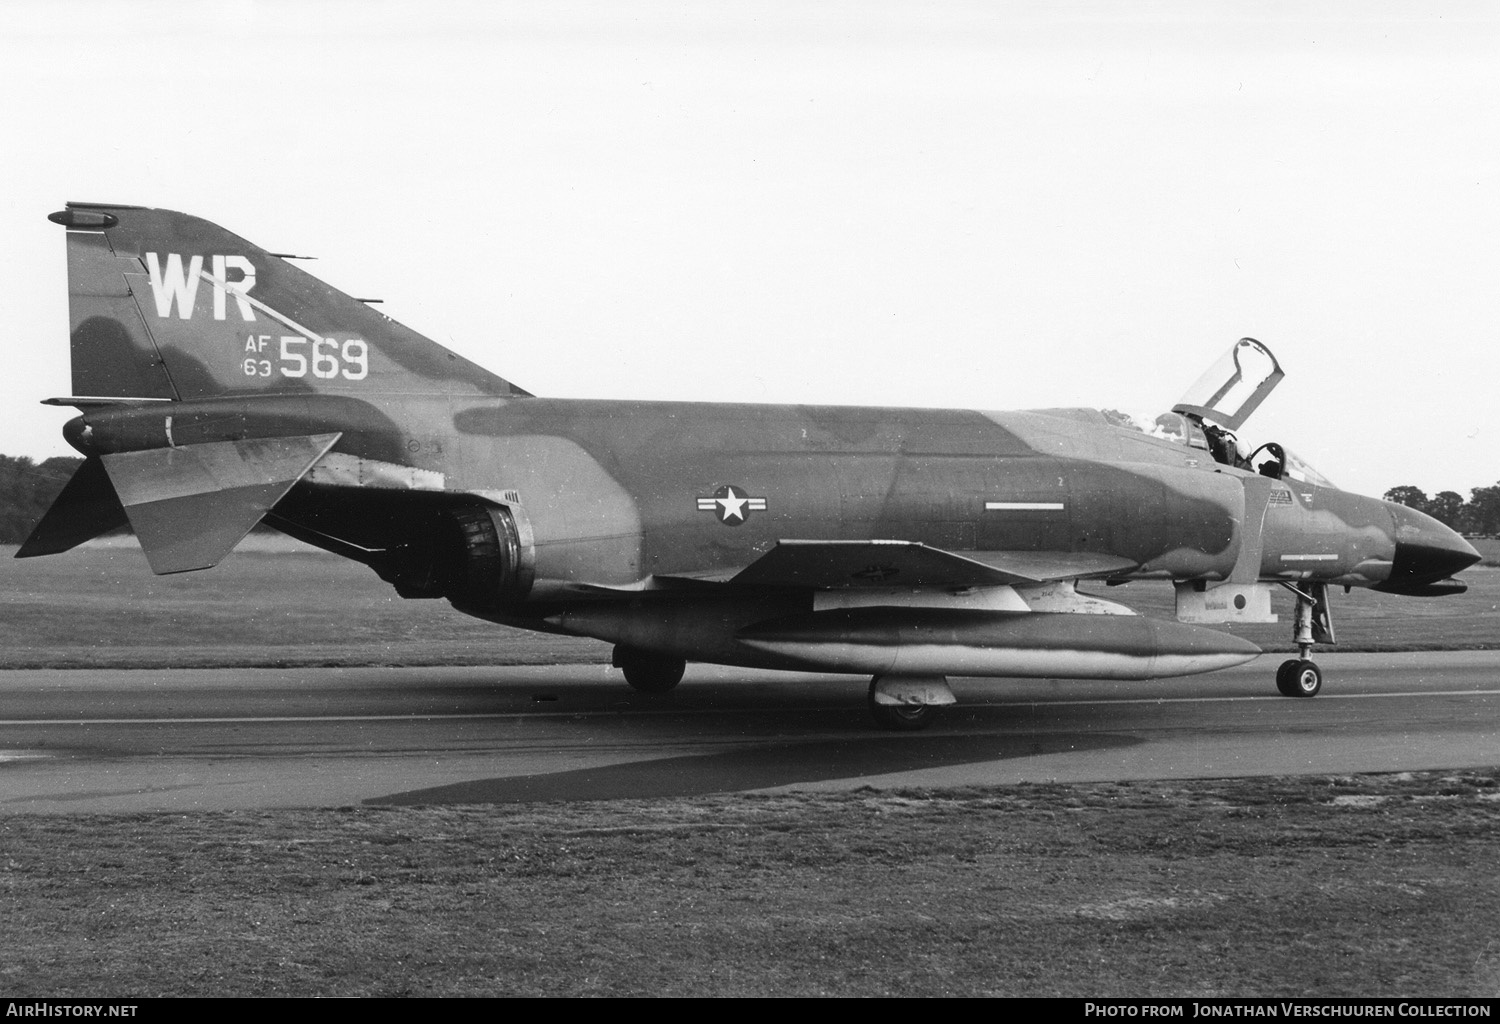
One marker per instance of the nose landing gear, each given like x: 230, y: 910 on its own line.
x: 1301, y: 676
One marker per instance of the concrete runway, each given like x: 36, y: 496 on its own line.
x: 89, y: 741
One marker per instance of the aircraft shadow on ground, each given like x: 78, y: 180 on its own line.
x: 754, y: 768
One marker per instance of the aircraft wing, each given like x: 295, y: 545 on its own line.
x: 842, y: 564
x: 1046, y: 566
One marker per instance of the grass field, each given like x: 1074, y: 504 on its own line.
x: 1366, y: 886
x: 1489, y: 548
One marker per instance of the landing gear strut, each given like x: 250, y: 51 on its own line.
x: 1301, y: 676
x: 648, y: 671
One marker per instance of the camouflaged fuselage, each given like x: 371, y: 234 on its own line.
x: 616, y: 492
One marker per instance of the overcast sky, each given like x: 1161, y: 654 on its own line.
x: 991, y: 205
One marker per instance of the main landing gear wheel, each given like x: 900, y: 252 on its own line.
x: 648, y: 671
x: 1299, y: 678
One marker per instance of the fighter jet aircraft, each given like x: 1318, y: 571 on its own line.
x: 221, y: 386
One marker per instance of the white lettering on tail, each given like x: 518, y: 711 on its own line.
x: 173, y: 285
x: 222, y: 285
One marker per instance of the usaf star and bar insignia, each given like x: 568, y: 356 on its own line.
x: 731, y: 505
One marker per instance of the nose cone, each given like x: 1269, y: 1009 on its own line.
x: 1427, y: 553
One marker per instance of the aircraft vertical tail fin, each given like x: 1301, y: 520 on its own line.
x: 165, y: 305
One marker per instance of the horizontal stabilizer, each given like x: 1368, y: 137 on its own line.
x: 190, y: 505
x: 85, y: 508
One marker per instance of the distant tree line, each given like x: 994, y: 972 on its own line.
x: 1479, y: 516
x: 26, y: 491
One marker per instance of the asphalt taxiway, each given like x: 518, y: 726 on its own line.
x: 131, y: 740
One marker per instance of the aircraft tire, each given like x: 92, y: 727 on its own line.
x: 1304, y: 679
x: 648, y: 671
x: 900, y: 717
x: 1284, y: 684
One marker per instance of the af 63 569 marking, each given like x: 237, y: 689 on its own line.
x: 325, y: 359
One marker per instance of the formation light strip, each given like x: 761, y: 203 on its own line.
x: 1023, y: 506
